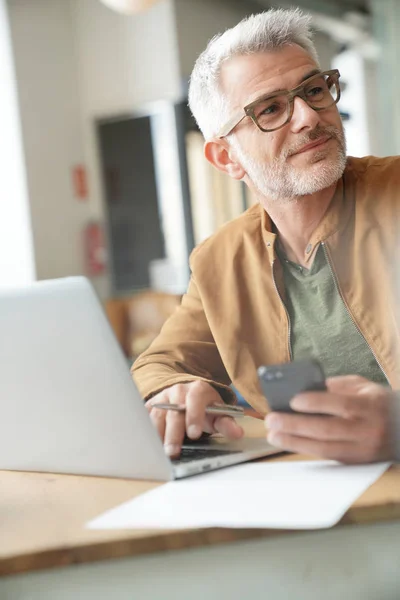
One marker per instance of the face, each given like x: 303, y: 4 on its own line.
x: 305, y: 156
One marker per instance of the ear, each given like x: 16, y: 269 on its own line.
x: 222, y: 156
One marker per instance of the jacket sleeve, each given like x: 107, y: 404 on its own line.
x: 184, y: 351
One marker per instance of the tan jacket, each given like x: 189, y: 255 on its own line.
x: 232, y: 318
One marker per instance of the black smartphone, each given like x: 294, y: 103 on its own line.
x: 280, y: 383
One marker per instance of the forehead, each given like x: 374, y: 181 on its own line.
x: 245, y: 78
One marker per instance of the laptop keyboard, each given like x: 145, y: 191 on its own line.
x: 190, y: 454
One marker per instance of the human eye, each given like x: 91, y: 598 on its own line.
x: 315, y: 90
x: 270, y: 108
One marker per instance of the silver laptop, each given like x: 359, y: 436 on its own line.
x: 68, y: 402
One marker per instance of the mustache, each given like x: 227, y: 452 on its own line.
x: 319, y: 132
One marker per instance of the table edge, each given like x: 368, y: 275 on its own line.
x: 169, y: 541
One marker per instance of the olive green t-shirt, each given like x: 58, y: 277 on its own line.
x: 320, y: 324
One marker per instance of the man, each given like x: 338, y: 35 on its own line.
x: 310, y: 271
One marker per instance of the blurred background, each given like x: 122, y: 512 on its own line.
x: 102, y: 167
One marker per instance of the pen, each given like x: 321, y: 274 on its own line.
x: 226, y: 411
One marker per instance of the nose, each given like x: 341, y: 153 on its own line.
x: 304, y: 117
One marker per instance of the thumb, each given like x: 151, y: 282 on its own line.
x: 228, y: 427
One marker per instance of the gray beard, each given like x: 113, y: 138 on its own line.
x: 282, y: 181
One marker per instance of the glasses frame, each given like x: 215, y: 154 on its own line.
x: 291, y: 95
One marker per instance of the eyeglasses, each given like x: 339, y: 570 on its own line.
x: 273, y: 111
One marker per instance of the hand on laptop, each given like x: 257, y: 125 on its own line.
x: 359, y: 428
x: 172, y: 425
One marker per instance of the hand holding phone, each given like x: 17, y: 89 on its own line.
x: 280, y: 383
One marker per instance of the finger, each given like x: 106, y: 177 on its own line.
x: 228, y: 427
x: 370, y: 394
x: 174, y: 432
x: 177, y: 394
x: 345, y: 452
x: 316, y: 428
x: 350, y: 407
x: 345, y: 384
x: 199, y: 395
x: 157, y: 416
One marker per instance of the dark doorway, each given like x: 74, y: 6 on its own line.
x: 134, y: 228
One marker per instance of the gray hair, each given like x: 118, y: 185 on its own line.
x: 261, y: 32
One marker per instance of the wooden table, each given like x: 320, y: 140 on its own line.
x: 46, y: 554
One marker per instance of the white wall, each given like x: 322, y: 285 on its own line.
x: 357, y: 73
x: 76, y: 60
x: 16, y: 249
x: 47, y: 87
x: 124, y: 62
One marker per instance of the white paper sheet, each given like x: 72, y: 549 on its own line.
x: 284, y: 495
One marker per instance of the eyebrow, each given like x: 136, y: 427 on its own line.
x: 304, y: 78
x: 310, y: 74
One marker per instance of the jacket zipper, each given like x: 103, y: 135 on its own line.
x: 339, y: 291
x: 286, y: 311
